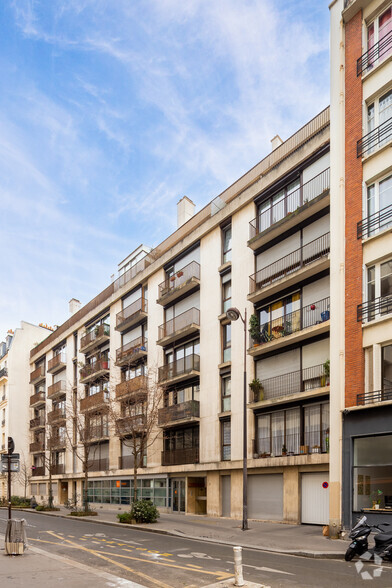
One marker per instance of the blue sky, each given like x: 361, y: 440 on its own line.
x: 110, y: 111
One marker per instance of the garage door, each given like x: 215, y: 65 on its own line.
x: 315, y: 498
x: 265, y: 497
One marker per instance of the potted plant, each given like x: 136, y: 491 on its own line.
x: 324, y: 379
x: 254, y: 329
x: 180, y: 274
x: 257, y: 388
x: 172, y: 278
x: 376, y: 496
x: 284, y: 450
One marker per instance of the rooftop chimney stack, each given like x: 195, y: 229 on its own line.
x: 185, y: 211
x: 74, y: 306
x: 276, y: 142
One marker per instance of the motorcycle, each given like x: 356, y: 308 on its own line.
x: 360, y: 533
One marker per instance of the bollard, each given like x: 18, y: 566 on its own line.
x: 238, y: 578
x: 15, y: 537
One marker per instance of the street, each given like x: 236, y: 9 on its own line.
x: 153, y: 559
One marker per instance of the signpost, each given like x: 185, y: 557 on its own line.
x: 10, y: 463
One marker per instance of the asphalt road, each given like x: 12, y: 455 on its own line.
x: 172, y: 562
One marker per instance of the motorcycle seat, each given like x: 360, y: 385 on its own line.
x: 383, y: 537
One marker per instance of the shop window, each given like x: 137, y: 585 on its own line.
x: 372, y: 472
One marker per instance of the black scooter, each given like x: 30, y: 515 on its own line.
x: 360, y: 533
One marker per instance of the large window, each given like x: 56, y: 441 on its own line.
x: 379, y: 200
x: 379, y: 114
x: 282, y: 317
x: 372, y: 471
x: 182, y: 393
x: 176, y: 439
x: 121, y: 491
x: 380, y: 31
x: 379, y: 288
x: 278, y: 206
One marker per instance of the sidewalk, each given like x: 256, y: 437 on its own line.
x: 301, y: 540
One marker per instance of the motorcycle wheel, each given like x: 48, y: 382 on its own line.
x: 348, y: 556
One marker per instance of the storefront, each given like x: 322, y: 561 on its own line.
x: 119, y: 491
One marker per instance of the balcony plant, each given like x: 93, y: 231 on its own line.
x: 324, y: 379
x: 257, y: 388
x: 284, y: 450
x: 254, y: 329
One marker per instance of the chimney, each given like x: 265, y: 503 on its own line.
x: 185, y: 210
x: 276, y: 142
x: 74, y: 306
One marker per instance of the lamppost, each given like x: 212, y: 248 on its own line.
x: 233, y: 314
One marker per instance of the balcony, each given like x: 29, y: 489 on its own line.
x: 57, y: 363
x: 296, y: 326
x: 95, y: 401
x: 290, y: 211
x: 134, y: 389
x: 37, y: 399
x: 98, y: 465
x: 57, y: 389
x: 301, y: 264
x: 274, y: 445
x: 38, y: 470
x: 3, y: 373
x: 37, y: 447
x: 374, y: 309
x: 56, y: 415
x: 179, y: 370
x: 126, y: 462
x: 58, y: 469
x: 133, y: 271
x: 94, y: 338
x: 182, y: 282
x: 57, y: 442
x: 299, y: 382
x: 379, y: 51
x: 37, y: 423
x: 132, y: 315
x: 95, y: 433
x: 374, y: 397
x: 376, y: 139
x: 182, y: 325
x: 374, y: 223
x: 180, y: 456
x: 179, y: 413
x: 132, y: 425
x: 93, y: 371
x: 132, y: 352
x: 37, y: 375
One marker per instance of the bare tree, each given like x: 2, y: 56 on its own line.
x: 24, y: 475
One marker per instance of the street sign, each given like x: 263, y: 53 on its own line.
x: 15, y: 466
x: 13, y: 456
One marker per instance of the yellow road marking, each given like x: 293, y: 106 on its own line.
x: 193, y: 566
x: 72, y: 536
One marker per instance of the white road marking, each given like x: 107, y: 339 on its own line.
x: 263, y: 569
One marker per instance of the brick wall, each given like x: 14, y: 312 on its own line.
x: 354, y: 369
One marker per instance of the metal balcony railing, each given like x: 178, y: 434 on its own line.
x: 57, y: 361
x: 180, y: 456
x: 37, y: 447
x: 57, y: 442
x: 177, y: 412
x: 295, y: 321
x: 292, y: 383
x: 131, y: 311
x: 368, y: 311
x: 135, y: 386
x: 277, y: 444
x: 290, y: 263
x: 379, y: 50
x: 179, y: 278
x: 133, y: 271
x: 38, y: 470
x: 37, y: 422
x: 93, y: 368
x: 94, y: 401
x: 186, y: 319
x: 179, y: 367
x: 91, y: 433
x: 290, y: 203
x: 378, y: 137
x: 37, y: 398
x: 131, y: 349
x: 57, y: 414
x: 374, y: 397
x: 58, y: 469
x: 57, y: 389
x: 37, y: 374
x: 97, y: 333
x: 98, y: 465
x: 374, y: 223
x: 132, y: 424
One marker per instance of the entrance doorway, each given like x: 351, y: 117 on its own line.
x: 63, y: 492
x: 178, y: 495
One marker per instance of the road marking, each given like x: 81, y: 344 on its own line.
x: 72, y: 536
x: 263, y: 569
x: 194, y: 566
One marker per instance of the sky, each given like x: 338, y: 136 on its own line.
x: 112, y: 110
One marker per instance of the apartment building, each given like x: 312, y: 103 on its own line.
x: 261, y: 246
x: 361, y: 260
x: 14, y: 396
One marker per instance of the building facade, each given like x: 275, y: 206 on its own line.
x: 361, y: 270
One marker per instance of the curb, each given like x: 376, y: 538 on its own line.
x: 299, y: 553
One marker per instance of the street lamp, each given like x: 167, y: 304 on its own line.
x: 233, y: 314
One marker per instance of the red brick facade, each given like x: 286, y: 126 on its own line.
x: 354, y: 370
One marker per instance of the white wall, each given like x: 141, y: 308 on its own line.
x: 315, y: 354
x: 315, y: 291
x: 315, y: 168
x: 283, y: 363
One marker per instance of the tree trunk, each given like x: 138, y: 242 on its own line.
x: 50, y: 503
x: 85, y: 493
x: 135, y: 464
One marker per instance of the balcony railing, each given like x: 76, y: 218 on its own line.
x: 132, y: 424
x: 99, y: 333
x: 57, y: 362
x: 379, y: 50
x: 180, y: 278
x: 312, y: 441
x: 93, y: 433
x: 94, y: 401
x: 126, y: 462
x: 131, y: 351
x: 290, y: 263
x: 131, y: 312
x: 37, y: 375
x: 378, y: 137
x: 57, y: 442
x: 98, y: 465
x: 38, y: 398
x: 374, y: 397
x: 295, y: 321
x: 290, y: 203
x: 292, y: 383
x: 57, y: 389
x: 374, y: 223
x: 368, y: 311
x: 186, y: 319
x: 179, y: 367
x: 92, y: 369
x: 178, y: 412
x: 38, y: 470
x: 3, y: 372
x: 134, y: 387
x: 58, y: 414
x: 37, y: 447
x: 58, y: 469
x: 133, y: 271
x: 37, y: 422
x: 180, y: 456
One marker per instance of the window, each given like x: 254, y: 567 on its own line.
x: 379, y: 289
x: 176, y: 439
x: 226, y: 393
x: 183, y: 393
x: 380, y: 31
x: 226, y: 244
x: 379, y: 114
x: 372, y: 471
x: 379, y: 200
x: 226, y: 342
x: 278, y: 206
x: 280, y: 318
x: 226, y: 292
x: 226, y: 440
x: 387, y: 368
x: 316, y: 423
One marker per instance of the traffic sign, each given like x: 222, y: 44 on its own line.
x: 13, y: 456
x: 14, y: 465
